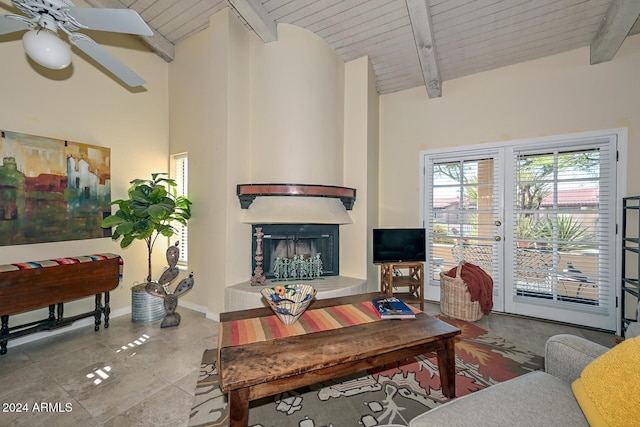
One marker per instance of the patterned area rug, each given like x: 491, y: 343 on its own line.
x: 392, y: 394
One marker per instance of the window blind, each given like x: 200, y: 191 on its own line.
x: 462, y: 202
x: 181, y: 177
x: 562, y: 208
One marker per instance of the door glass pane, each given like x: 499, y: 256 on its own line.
x: 557, y: 220
x: 462, y: 214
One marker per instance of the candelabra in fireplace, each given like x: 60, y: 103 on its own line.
x: 297, y: 268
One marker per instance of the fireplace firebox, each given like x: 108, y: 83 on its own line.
x: 307, y: 240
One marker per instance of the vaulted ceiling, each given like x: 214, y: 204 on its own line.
x: 412, y: 42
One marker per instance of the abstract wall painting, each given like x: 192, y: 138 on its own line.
x: 52, y: 190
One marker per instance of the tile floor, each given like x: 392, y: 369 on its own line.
x: 130, y: 374
x: 141, y: 375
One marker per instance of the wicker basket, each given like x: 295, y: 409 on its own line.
x: 455, y: 300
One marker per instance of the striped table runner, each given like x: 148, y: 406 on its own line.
x: 62, y: 261
x: 245, y: 331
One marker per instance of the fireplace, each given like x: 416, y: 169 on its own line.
x: 306, y: 240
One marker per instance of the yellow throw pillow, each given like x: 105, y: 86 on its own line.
x: 586, y: 404
x: 608, y: 390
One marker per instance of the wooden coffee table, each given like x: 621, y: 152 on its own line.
x: 259, y: 369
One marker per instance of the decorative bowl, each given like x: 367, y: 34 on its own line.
x: 288, y: 302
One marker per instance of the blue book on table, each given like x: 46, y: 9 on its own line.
x: 392, y: 308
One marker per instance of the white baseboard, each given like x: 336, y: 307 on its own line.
x: 213, y: 316
x: 82, y: 323
x: 200, y: 309
x: 192, y: 306
x: 86, y: 322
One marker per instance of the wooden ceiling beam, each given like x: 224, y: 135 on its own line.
x: 621, y: 16
x: 423, y: 35
x: 257, y: 18
x: 157, y: 43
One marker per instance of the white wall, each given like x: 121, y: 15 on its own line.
x: 209, y: 120
x: 247, y: 111
x: 191, y: 131
x: 86, y: 105
x: 297, y: 120
x: 360, y: 170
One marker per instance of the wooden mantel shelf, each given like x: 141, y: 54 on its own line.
x: 248, y: 192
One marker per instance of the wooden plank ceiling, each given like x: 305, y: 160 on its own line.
x: 410, y: 42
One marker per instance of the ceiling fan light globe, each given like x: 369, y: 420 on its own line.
x: 47, y: 49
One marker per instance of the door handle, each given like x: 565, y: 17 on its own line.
x: 497, y: 238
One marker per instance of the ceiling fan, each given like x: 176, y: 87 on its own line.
x: 45, y: 17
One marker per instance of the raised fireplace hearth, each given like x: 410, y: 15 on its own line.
x: 306, y: 240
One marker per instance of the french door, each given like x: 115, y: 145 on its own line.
x: 464, y: 202
x: 539, y: 217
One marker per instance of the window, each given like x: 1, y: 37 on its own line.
x: 180, y: 173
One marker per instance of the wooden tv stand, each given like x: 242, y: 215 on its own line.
x: 392, y: 277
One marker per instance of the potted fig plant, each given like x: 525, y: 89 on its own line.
x: 152, y: 209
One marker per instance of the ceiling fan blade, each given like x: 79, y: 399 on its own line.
x: 114, y: 20
x: 13, y: 23
x: 104, y: 58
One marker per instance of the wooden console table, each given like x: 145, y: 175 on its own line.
x: 37, y: 284
x: 392, y: 277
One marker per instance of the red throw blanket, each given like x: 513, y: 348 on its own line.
x: 479, y: 283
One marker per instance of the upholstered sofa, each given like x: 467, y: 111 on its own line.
x: 545, y: 398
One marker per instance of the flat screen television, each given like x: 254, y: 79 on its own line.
x: 399, y: 245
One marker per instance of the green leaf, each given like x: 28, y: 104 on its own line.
x: 158, y: 194
x: 125, y: 210
x: 137, y: 182
x: 157, y: 211
x: 126, y: 241
x: 140, y: 195
x: 155, y: 175
x: 124, y: 228
x: 179, y: 219
x: 167, y: 231
x: 167, y: 203
x: 139, y: 211
x: 111, y: 221
x: 142, y: 226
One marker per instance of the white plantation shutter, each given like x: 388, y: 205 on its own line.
x: 463, y: 208
x: 579, y: 192
x: 180, y: 175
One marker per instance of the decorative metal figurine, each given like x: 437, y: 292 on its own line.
x: 297, y: 268
x: 161, y: 287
